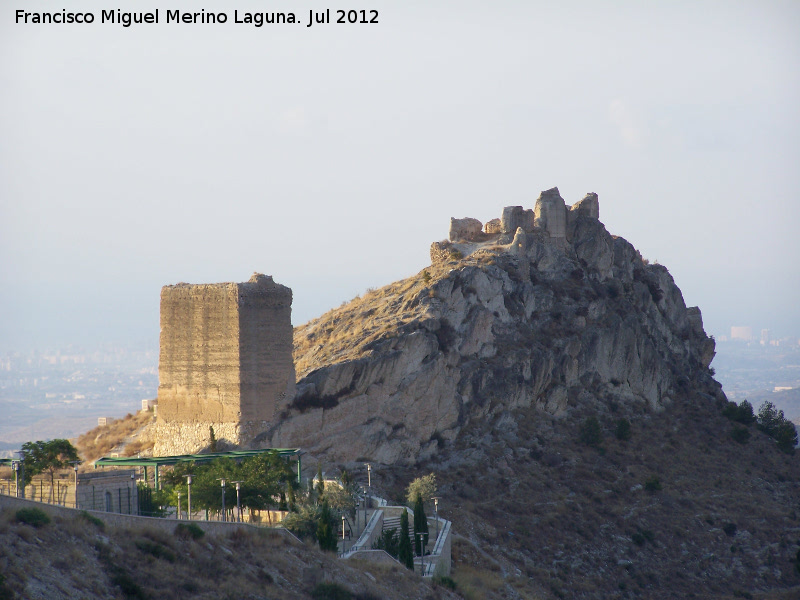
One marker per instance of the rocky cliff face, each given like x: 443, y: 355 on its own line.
x: 548, y: 310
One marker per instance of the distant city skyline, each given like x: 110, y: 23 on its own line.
x: 331, y: 157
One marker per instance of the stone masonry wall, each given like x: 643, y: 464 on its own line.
x: 225, y: 361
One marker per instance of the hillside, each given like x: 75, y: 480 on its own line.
x: 77, y: 556
x: 486, y: 367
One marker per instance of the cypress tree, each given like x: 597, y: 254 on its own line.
x: 325, y: 535
x: 320, y: 482
x: 404, y: 554
x: 420, y: 525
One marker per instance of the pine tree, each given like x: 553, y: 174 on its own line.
x: 325, y: 535
x: 420, y: 525
x: 404, y: 554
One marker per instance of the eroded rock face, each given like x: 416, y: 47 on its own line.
x: 541, y: 324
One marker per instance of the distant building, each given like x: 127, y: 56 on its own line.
x: 765, y: 337
x: 744, y: 334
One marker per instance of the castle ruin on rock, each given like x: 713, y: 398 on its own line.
x: 549, y: 220
x: 225, y: 362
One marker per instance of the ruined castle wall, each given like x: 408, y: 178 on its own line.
x: 550, y: 212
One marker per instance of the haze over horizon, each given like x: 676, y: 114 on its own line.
x: 331, y: 157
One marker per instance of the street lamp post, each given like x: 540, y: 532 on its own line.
x: 238, y: 500
x: 343, y: 548
x: 75, y: 466
x: 179, y: 506
x: 15, y: 466
x: 436, y: 514
x: 222, y: 485
x: 189, y: 498
x: 422, y: 553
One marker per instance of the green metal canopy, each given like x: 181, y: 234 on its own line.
x: 161, y: 461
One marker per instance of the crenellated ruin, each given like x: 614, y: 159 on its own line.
x: 549, y: 220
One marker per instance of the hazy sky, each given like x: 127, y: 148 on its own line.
x: 331, y: 157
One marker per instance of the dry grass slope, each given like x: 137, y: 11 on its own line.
x: 350, y: 331
x: 104, y: 439
x: 78, y: 558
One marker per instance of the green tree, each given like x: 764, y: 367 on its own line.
x: 388, y: 541
x: 772, y: 422
x: 51, y: 456
x: 404, y: 554
x: 424, y: 486
x: 320, y: 482
x: 212, y: 439
x: 325, y: 529
x: 590, y: 433
x: 740, y: 413
x: 420, y: 525
x: 304, y: 521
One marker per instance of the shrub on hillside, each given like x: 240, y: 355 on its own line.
x: 92, y: 519
x: 189, y: 530
x: 590, y: 432
x: 652, y: 484
x: 623, y: 430
x: 330, y: 591
x: 740, y: 434
x: 32, y: 516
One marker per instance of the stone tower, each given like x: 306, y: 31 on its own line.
x: 225, y: 361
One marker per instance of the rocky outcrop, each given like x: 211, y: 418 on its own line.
x: 564, y: 314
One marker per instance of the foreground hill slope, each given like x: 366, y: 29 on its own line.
x: 80, y: 556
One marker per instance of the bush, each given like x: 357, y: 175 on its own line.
x: 653, y: 484
x: 155, y: 549
x: 128, y: 585
x: 426, y: 277
x: 6, y: 593
x: 389, y: 541
x: 32, y: 516
x: 92, y: 519
x: 740, y: 413
x: 330, y: 591
x: 590, y: 432
x: 189, y: 530
x: 445, y: 581
x: 623, y: 430
x: 740, y: 434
